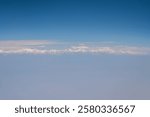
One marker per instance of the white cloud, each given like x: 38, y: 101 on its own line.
x: 52, y: 48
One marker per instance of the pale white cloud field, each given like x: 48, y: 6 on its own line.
x: 53, y: 48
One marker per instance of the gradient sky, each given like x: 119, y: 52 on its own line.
x: 118, y: 30
x: 76, y: 20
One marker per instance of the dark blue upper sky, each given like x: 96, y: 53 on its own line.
x: 76, y: 20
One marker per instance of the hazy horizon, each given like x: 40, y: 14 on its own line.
x: 74, y: 49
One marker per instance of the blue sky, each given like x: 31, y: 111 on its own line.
x: 74, y: 49
x: 76, y: 20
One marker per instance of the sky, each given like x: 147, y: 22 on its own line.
x: 74, y: 49
x: 76, y: 20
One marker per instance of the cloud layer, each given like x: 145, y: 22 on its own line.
x: 53, y: 48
